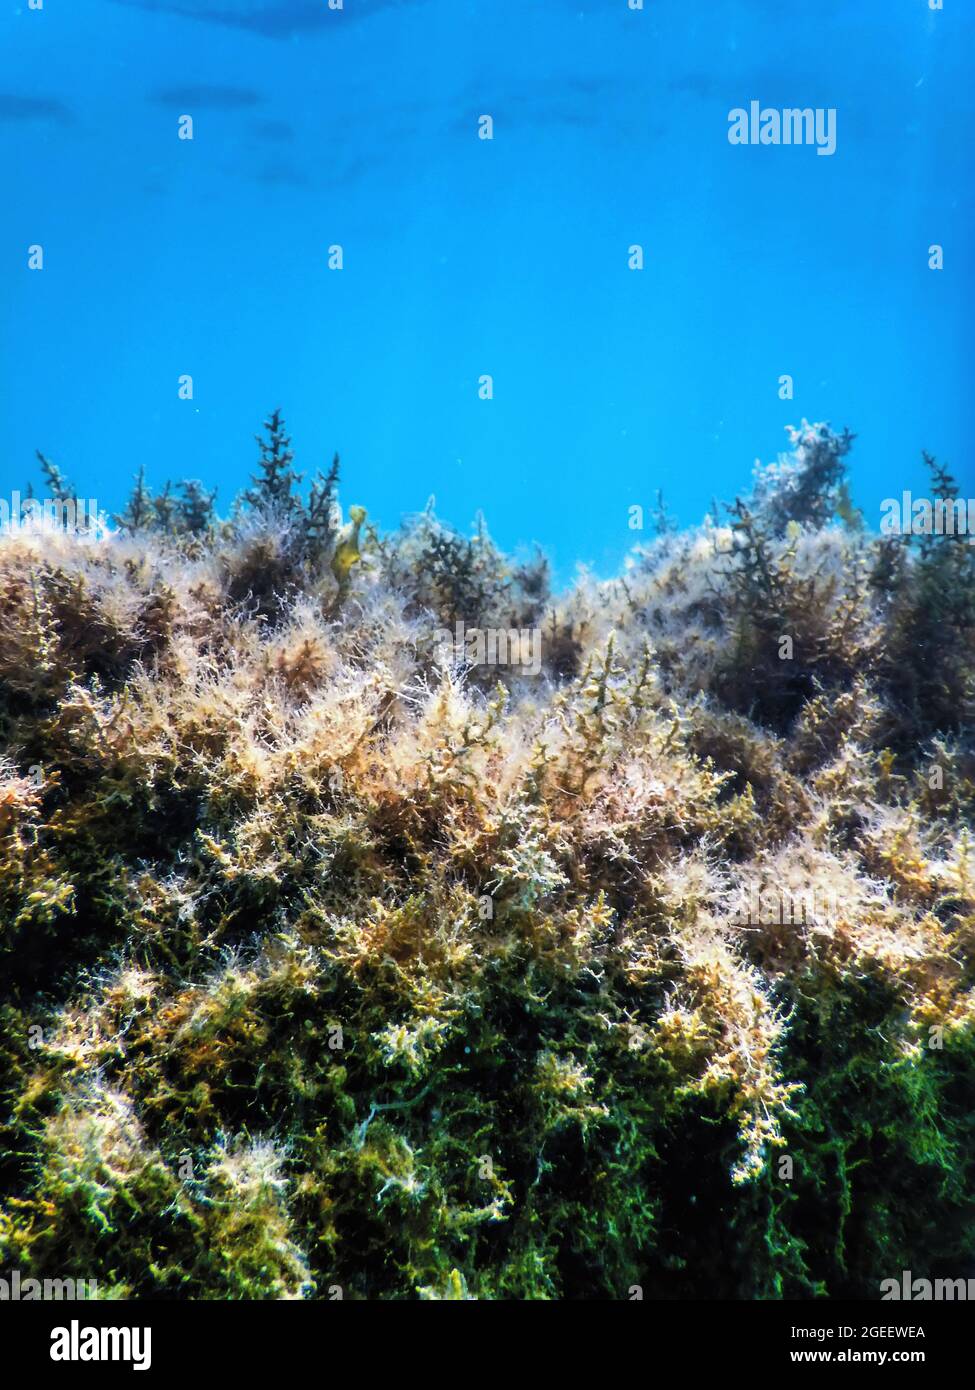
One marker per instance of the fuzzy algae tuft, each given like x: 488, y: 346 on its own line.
x: 331, y: 967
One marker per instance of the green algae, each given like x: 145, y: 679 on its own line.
x: 333, y: 970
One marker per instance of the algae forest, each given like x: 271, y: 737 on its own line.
x: 340, y: 961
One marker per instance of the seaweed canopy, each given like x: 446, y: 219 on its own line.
x: 335, y: 965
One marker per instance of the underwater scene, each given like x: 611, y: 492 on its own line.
x: 487, y: 670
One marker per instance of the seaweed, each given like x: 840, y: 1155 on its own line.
x: 335, y: 968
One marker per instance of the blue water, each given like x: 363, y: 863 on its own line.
x: 464, y: 257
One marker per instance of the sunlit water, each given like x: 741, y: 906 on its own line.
x: 466, y: 258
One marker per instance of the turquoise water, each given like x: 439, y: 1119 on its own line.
x: 464, y: 257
